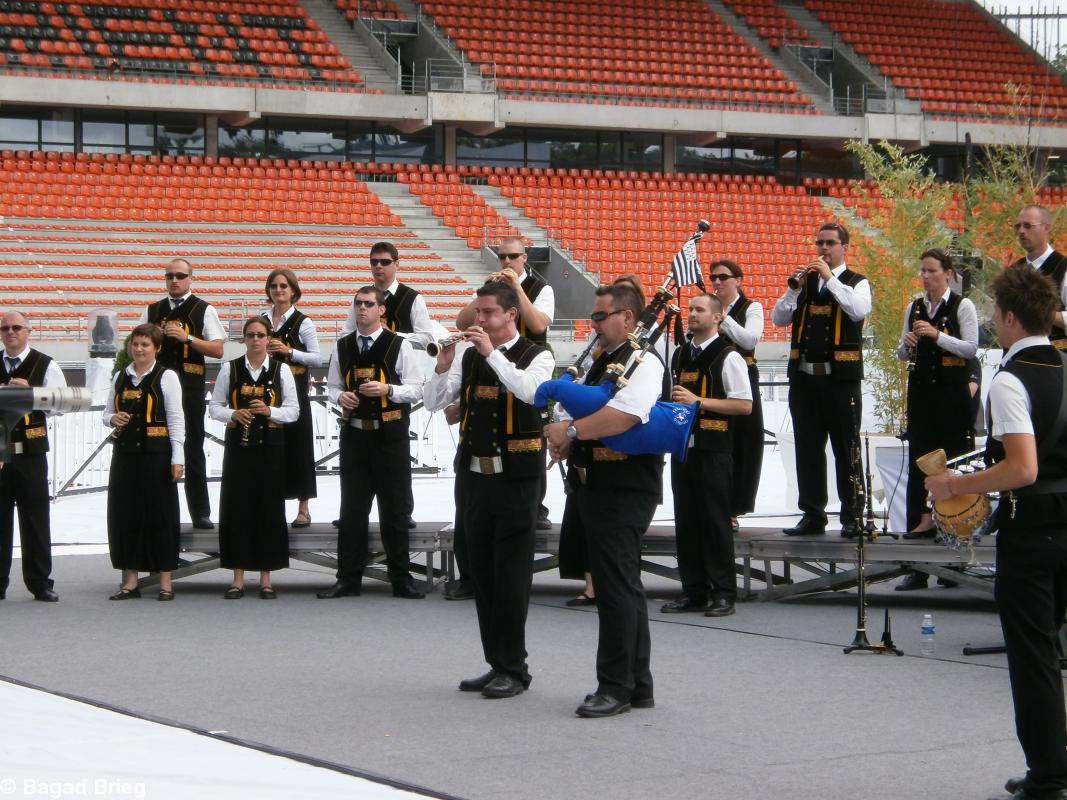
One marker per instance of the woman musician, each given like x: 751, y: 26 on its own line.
x: 255, y: 395
x: 144, y: 406
x: 939, y: 337
x: 742, y: 324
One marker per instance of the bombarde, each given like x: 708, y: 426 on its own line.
x: 434, y: 348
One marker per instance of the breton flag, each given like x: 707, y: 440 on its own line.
x: 686, y: 266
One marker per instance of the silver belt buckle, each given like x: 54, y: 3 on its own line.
x: 17, y: 448
x: 582, y: 474
x: 364, y: 424
x: 819, y: 369
x: 487, y: 465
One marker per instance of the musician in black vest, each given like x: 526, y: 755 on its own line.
x: 192, y: 330
x: 615, y: 496
x: 939, y: 337
x: 374, y: 378
x: 255, y: 396
x: 826, y: 313
x: 1033, y: 227
x: 296, y: 342
x: 1028, y: 452
x: 24, y: 478
x: 708, y: 370
x: 500, y: 458
x: 144, y: 408
x: 405, y: 308
x: 537, y: 309
x: 742, y: 324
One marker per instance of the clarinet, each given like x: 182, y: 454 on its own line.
x: 913, y: 352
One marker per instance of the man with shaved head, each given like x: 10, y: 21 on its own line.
x: 192, y: 331
x: 1033, y: 227
x: 24, y: 478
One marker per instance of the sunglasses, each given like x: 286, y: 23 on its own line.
x: 279, y: 286
x: 509, y: 256
x: 12, y: 328
x: 175, y: 276
x: 600, y: 316
x: 384, y: 262
x: 1025, y: 226
x: 722, y: 276
x: 254, y: 335
x: 826, y: 242
x: 365, y: 303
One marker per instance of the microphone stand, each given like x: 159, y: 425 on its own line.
x: 868, y: 531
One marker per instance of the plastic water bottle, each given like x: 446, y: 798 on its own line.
x: 927, y: 647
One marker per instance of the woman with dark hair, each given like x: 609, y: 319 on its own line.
x: 255, y: 396
x: 144, y: 407
x: 939, y: 337
x: 295, y: 342
x: 742, y: 324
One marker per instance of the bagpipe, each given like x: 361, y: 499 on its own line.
x: 669, y: 425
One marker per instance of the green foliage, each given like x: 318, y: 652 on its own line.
x: 122, y: 357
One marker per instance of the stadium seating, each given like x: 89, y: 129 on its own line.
x: 949, y: 56
x: 658, y: 52
x: 378, y: 9
x: 266, y: 42
x: 457, y: 205
x: 771, y: 22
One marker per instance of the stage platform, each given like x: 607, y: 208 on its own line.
x: 772, y: 566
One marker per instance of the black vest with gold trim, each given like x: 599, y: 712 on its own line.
x: 494, y: 422
x: 31, y: 431
x: 397, y: 317
x: 1040, y: 370
x: 738, y: 314
x: 289, y: 334
x: 609, y: 469
x: 378, y: 364
x: 1055, y: 269
x: 703, y: 377
x: 532, y: 287
x: 147, y: 431
x: 243, y: 390
x: 182, y: 357
x: 934, y: 366
x: 822, y: 331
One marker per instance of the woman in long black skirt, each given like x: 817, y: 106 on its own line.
x: 255, y: 396
x: 296, y: 342
x: 144, y: 407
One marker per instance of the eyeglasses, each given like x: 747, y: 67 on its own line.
x: 722, y: 276
x: 175, y: 276
x: 600, y: 316
x: 1025, y: 226
x: 509, y: 256
x: 365, y: 303
x: 12, y: 328
x: 279, y: 286
x: 254, y: 335
x: 826, y: 242
x: 384, y: 262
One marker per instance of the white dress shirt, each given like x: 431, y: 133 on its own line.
x: 638, y: 396
x: 854, y: 300
x: 171, y: 387
x: 307, y: 334
x: 745, y: 336
x: 545, y: 302
x: 965, y: 346
x: 443, y: 389
x: 424, y: 330
x: 734, y: 372
x: 1039, y: 262
x: 219, y: 406
x: 213, y: 330
x: 1009, y: 402
x: 410, y: 388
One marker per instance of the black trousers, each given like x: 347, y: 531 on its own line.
x: 820, y: 408
x: 196, y: 497
x: 938, y: 416
x: 459, y: 535
x: 614, y: 523
x: 499, y: 520
x: 372, y: 468
x: 705, y: 540
x: 24, y: 484
x: 1031, y: 595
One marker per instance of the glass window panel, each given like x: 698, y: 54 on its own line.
x: 822, y: 160
x: 312, y: 139
x: 177, y: 134
x: 245, y: 142
x: 103, y: 128
x: 142, y: 129
x: 58, y: 127
x: 501, y: 148
x: 18, y: 128
x: 691, y: 158
x: 610, y: 150
x: 643, y: 150
x: 561, y: 148
x: 755, y: 156
x: 421, y: 147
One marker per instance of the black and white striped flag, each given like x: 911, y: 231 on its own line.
x: 686, y: 266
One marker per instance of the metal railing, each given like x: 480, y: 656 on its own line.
x: 445, y: 75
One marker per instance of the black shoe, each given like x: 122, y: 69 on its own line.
x: 544, y: 524
x: 945, y: 582
x: 929, y: 533
x: 720, y: 607
x: 913, y: 581
x: 203, y: 524
x: 808, y: 526
x: 412, y: 525
x: 301, y: 520
x: 3, y: 594
x: 601, y: 705
x: 165, y: 595
x: 503, y: 686
x: 336, y: 523
x: 459, y: 590
x: 267, y: 593
x: 126, y: 594
x: 581, y: 600
x: 406, y: 589
x: 1012, y: 785
x: 684, y: 604
x: 642, y: 702
x: 850, y: 530
x: 234, y: 593
x: 477, y: 684
x: 340, y: 589
x: 46, y: 596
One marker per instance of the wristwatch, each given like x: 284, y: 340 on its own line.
x: 572, y: 432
